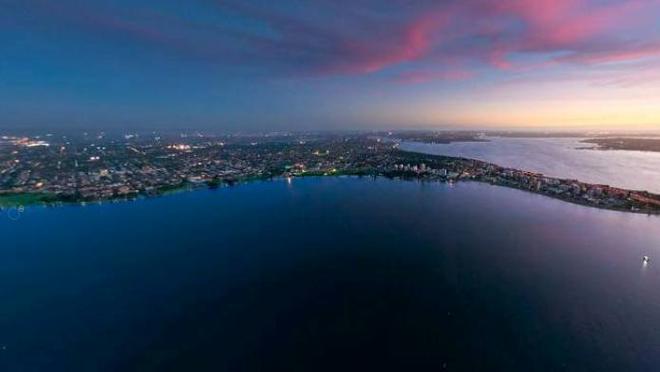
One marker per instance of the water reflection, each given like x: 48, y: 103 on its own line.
x: 334, y: 272
x: 559, y: 157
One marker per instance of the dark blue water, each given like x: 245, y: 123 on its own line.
x: 330, y: 274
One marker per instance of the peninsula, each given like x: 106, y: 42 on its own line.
x: 625, y: 143
x: 53, y: 169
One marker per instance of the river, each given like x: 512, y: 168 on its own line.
x: 559, y: 157
x: 330, y: 274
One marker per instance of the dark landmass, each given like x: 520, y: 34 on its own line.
x: 439, y: 137
x: 60, y: 170
x: 520, y: 134
x: 624, y: 143
x: 575, y: 134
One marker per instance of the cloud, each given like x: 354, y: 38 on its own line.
x: 416, y: 42
x: 626, y: 52
x: 582, y: 31
x: 422, y: 76
x: 364, y: 37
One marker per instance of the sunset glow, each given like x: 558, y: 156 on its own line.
x: 242, y: 65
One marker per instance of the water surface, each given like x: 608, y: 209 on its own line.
x: 330, y: 274
x: 559, y: 157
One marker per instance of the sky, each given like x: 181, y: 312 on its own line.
x: 256, y: 65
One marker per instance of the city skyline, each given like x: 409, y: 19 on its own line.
x: 253, y: 65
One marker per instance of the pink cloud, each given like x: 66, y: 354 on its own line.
x: 552, y: 26
x: 574, y: 26
x: 328, y: 39
x: 498, y: 58
x: 573, y: 22
x: 368, y: 56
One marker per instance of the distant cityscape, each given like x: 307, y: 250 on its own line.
x: 55, y: 169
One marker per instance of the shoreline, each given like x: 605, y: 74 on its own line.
x: 53, y: 203
x: 639, y: 144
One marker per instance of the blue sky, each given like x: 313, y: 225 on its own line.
x: 364, y: 64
